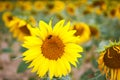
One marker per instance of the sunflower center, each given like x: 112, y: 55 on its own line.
x: 53, y: 47
x: 113, y: 12
x: 112, y: 57
x: 50, y: 6
x: 25, y: 30
x: 10, y: 18
x: 94, y: 31
x: 79, y: 31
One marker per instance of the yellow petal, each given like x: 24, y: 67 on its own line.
x: 52, y: 69
x: 118, y: 74
x: 73, y: 46
x: 45, y: 27
x: 66, y: 63
x: 32, y: 41
x: 58, y: 27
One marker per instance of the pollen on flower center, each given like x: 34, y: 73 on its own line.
x: 112, y: 57
x: 53, y: 47
x: 25, y: 30
x: 79, y: 31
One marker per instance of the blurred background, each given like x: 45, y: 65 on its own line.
x: 102, y: 18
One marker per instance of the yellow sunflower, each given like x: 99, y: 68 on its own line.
x: 112, y: 13
x: 52, y: 50
x: 118, y: 11
x: 32, y: 21
x: 2, y: 7
x: 94, y: 31
x: 71, y: 9
x: 24, y: 5
x: 39, y: 5
x: 7, y: 18
x: 8, y: 5
x: 109, y: 62
x: 82, y: 31
x: 20, y: 28
x: 55, y: 6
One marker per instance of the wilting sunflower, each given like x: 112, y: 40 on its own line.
x: 82, y: 31
x: 109, y: 61
x: 52, y: 50
x: 20, y: 28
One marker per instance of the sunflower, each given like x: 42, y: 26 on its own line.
x: 20, y: 28
x: 82, y: 31
x: 39, y: 5
x: 51, y: 50
x: 32, y: 21
x: 71, y: 9
x: 8, y: 5
x: 94, y: 31
x: 24, y: 5
x: 55, y: 6
x: 113, y: 13
x: 2, y: 7
x: 7, y: 18
x: 89, y: 9
x: 109, y: 61
x: 118, y: 11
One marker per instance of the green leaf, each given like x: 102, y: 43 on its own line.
x: 22, y: 67
x: 87, y: 75
x: 7, y: 50
x: 22, y: 49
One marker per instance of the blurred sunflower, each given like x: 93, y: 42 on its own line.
x: 82, y: 31
x: 39, y: 5
x: 7, y: 18
x: 24, y: 5
x: 99, y: 6
x: 71, y: 9
x: 109, y: 61
x: 55, y: 6
x: 118, y: 11
x: 8, y: 5
x: 2, y: 7
x: 20, y: 28
x: 32, y: 21
x: 94, y: 31
x: 89, y: 9
x: 52, y: 50
x: 112, y: 13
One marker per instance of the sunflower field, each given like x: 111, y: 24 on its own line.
x: 59, y: 39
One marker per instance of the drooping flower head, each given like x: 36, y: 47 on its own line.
x: 109, y: 61
x: 52, y: 50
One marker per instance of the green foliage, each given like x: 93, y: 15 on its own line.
x: 7, y: 50
x: 87, y: 75
x: 22, y: 67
